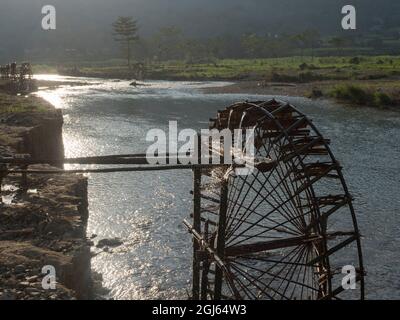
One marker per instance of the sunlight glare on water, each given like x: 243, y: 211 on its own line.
x: 55, y: 98
x: 146, y: 210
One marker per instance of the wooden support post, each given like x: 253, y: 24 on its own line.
x: 205, y: 270
x: 204, y: 280
x: 221, y: 239
x: 196, y: 226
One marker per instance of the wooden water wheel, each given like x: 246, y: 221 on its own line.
x: 284, y: 231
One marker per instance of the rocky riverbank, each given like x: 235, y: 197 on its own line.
x: 42, y: 222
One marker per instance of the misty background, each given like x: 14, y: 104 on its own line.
x: 84, y: 26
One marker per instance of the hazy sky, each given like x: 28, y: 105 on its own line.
x: 87, y: 22
x: 196, y: 16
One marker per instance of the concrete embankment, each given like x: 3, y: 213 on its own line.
x: 44, y: 222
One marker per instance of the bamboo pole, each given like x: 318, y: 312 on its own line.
x: 196, y: 226
x: 206, y: 245
x: 139, y: 158
x: 95, y: 160
x: 221, y: 239
x: 205, y: 269
x: 111, y: 170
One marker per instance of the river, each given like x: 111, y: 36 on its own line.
x: 146, y: 209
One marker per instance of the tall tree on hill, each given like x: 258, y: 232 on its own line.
x: 125, y: 31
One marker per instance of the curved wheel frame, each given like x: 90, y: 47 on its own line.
x: 276, y: 233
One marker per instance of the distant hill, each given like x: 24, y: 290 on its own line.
x: 86, y: 23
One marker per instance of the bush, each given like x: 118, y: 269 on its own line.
x: 309, y: 76
x: 316, y: 93
x: 301, y: 77
x: 351, y: 93
x: 358, y: 95
x: 277, y: 77
x: 382, y: 99
x: 374, y: 77
x: 303, y: 66
x: 355, y: 60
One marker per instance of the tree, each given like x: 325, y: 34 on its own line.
x: 301, y: 39
x: 253, y: 45
x: 277, y: 45
x: 311, y: 38
x: 169, y: 42
x: 338, y: 42
x: 125, y: 31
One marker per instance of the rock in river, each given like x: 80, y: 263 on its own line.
x: 109, y: 243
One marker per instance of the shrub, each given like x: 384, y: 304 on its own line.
x: 301, y: 77
x: 309, y: 76
x: 358, y: 95
x: 316, y: 93
x: 351, y: 93
x: 303, y: 66
x: 277, y: 77
x: 382, y: 99
x: 355, y: 60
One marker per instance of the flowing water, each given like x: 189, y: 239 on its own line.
x: 146, y: 209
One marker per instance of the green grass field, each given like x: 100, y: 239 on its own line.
x: 291, y: 69
x: 323, y: 68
